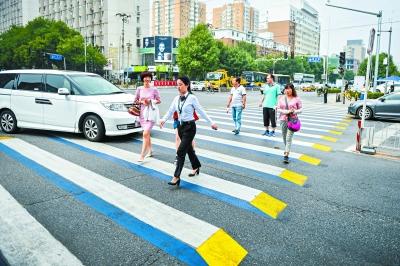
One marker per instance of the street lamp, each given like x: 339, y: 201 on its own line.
x: 388, y: 58
x: 378, y: 39
x: 124, y: 17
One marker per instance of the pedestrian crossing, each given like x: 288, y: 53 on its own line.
x: 189, y: 238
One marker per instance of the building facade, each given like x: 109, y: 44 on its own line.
x: 101, y: 23
x: 264, y: 44
x: 176, y: 17
x: 355, y: 54
x: 17, y: 12
x: 238, y: 15
x: 295, y: 23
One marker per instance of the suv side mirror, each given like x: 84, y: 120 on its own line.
x: 63, y: 91
x: 382, y: 99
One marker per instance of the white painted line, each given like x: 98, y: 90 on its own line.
x: 204, y: 180
x: 24, y: 241
x: 169, y: 220
x: 236, y: 144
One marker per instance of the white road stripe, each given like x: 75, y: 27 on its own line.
x: 24, y: 241
x: 175, y: 223
x: 211, y: 182
x: 236, y: 144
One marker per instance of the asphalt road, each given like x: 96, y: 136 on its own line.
x: 347, y: 212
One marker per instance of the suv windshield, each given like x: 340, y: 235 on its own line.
x: 94, y: 85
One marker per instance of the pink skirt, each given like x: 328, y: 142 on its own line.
x: 146, y: 125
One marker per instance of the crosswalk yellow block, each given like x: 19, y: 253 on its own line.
x: 340, y: 127
x: 347, y: 120
x: 309, y: 159
x: 221, y: 249
x: 293, y: 177
x: 327, y: 138
x: 268, y: 204
x: 321, y: 147
x: 342, y: 124
x: 5, y: 137
x: 335, y: 132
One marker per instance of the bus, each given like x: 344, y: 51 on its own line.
x: 254, y: 78
x: 282, y: 79
x: 300, y: 78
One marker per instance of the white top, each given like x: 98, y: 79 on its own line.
x: 237, y: 96
x: 186, y: 108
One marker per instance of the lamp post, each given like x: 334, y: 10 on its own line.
x: 388, y: 57
x: 124, y: 17
x: 378, y: 39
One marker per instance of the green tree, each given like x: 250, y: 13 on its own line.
x: 237, y: 61
x: 198, y: 53
x: 348, y: 75
x: 248, y: 47
x: 381, y: 67
x: 28, y: 47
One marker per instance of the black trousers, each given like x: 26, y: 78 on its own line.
x: 269, y: 116
x: 186, y: 132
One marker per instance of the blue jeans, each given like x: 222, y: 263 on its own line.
x: 237, y: 116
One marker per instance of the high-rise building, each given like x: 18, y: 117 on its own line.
x: 176, y: 17
x: 355, y: 49
x: 238, y: 15
x: 17, y: 12
x: 98, y: 21
x: 295, y: 23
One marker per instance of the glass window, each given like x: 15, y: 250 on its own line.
x: 7, y: 81
x: 393, y: 97
x: 94, y: 85
x: 30, y: 82
x: 54, y: 82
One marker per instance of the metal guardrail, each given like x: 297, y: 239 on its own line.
x: 382, y: 135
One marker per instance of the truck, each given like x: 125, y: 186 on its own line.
x: 220, y: 79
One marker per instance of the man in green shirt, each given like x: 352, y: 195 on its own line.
x: 269, y: 101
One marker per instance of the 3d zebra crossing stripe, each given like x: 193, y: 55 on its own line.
x: 177, y: 229
x: 262, y: 201
x: 327, y: 138
x: 24, y: 241
x: 288, y: 175
x: 246, y: 146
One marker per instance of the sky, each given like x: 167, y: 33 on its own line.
x: 342, y: 25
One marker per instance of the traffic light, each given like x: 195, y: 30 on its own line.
x: 285, y: 55
x: 342, y: 58
x: 341, y: 70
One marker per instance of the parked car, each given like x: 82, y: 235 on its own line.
x: 198, y: 85
x: 385, y: 107
x: 64, y: 101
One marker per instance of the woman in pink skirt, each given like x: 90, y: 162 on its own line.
x: 146, y: 94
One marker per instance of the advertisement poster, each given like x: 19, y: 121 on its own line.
x: 163, y: 49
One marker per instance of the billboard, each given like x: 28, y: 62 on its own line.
x: 175, y: 43
x: 163, y: 49
x: 148, y: 42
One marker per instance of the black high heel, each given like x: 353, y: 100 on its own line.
x: 176, y: 183
x: 197, y: 172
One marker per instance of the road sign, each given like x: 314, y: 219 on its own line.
x: 56, y: 57
x: 314, y: 59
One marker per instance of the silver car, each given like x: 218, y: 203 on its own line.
x: 385, y: 107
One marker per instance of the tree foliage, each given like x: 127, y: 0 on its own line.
x: 29, y: 46
x: 198, y: 53
x: 381, y: 67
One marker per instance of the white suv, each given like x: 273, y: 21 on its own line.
x: 64, y: 101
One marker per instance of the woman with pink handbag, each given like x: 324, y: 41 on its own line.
x: 289, y: 106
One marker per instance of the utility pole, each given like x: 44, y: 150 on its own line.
x: 379, y: 16
x: 124, y: 17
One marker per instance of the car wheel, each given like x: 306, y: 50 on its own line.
x: 368, y: 113
x: 8, y: 122
x: 93, y: 128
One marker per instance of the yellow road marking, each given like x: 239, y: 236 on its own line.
x: 327, y: 138
x: 339, y: 127
x: 221, y: 249
x: 309, y: 159
x: 335, y: 132
x: 293, y: 177
x: 268, y: 204
x: 342, y: 124
x: 321, y: 147
x: 5, y: 137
